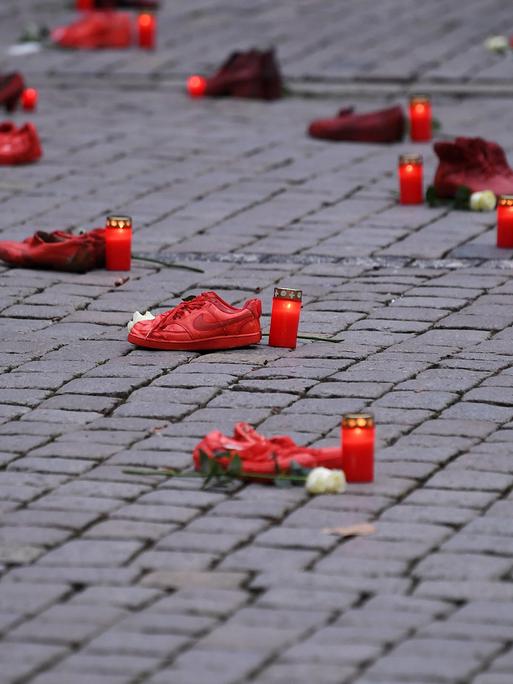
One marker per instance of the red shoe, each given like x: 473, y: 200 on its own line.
x: 473, y: 163
x: 262, y: 456
x: 251, y: 74
x: 205, y: 322
x: 102, y: 29
x: 11, y: 88
x: 384, y: 126
x: 59, y: 251
x: 19, y: 146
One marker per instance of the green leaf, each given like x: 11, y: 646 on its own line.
x: 204, y: 462
x: 283, y: 483
x: 235, y: 466
x: 437, y: 124
x: 431, y: 197
x: 462, y: 197
x: 296, y: 469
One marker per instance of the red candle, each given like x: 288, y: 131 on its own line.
x: 118, y: 243
x: 358, y: 447
x: 505, y: 221
x: 85, y: 4
x: 410, y: 179
x: 196, y: 85
x: 147, y: 28
x: 420, y: 119
x: 29, y: 99
x: 285, y: 317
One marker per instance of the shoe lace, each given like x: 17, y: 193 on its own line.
x: 178, y: 312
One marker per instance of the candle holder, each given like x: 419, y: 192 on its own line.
x: 147, y: 30
x: 505, y: 221
x: 196, y: 85
x: 410, y: 179
x: 29, y: 99
x: 285, y: 314
x: 118, y: 243
x: 358, y: 447
x: 421, y: 119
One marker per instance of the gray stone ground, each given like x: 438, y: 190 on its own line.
x: 108, y: 578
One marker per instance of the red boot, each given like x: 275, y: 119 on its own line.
x: 262, y: 456
x: 19, y: 146
x: 473, y: 163
x: 102, y: 29
x: 11, y: 89
x: 59, y: 251
x: 383, y: 126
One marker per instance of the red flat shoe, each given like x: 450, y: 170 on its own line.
x: 19, y: 146
x: 59, y: 251
x: 96, y: 29
x: 263, y: 456
x: 11, y: 89
x: 205, y: 322
x: 383, y: 126
x: 473, y: 163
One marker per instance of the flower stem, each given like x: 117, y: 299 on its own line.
x: 169, y: 472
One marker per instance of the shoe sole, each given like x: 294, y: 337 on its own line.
x: 206, y: 344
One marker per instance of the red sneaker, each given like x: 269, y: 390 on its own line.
x: 262, y: 456
x: 252, y: 74
x: 11, y: 88
x: 59, y: 251
x: 384, y: 126
x: 101, y: 29
x: 19, y: 145
x: 473, y: 163
x: 205, y: 322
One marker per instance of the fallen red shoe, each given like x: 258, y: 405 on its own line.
x: 262, y: 456
x: 252, y: 74
x: 205, y: 322
x: 383, y: 126
x: 473, y: 163
x: 59, y: 251
x: 19, y: 145
x: 96, y: 29
x: 11, y: 89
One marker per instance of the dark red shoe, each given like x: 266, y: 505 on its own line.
x: 253, y: 74
x: 96, y: 29
x: 19, y: 145
x: 127, y: 4
x: 59, y: 251
x: 383, y: 126
x: 474, y: 163
x: 11, y: 89
x: 262, y: 456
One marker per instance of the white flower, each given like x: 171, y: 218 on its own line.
x: 496, y: 43
x: 325, y: 481
x: 138, y: 316
x: 484, y: 200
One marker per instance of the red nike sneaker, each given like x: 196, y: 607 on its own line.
x: 383, y: 126
x: 96, y: 29
x: 263, y: 456
x: 205, y: 322
x: 11, y: 89
x: 473, y: 163
x: 59, y: 251
x: 19, y: 145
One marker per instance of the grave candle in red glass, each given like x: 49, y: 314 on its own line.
x: 29, y: 99
x: 421, y: 119
x: 147, y: 30
x: 358, y: 447
x: 196, y: 85
x: 505, y: 221
x: 118, y: 243
x: 410, y: 179
x: 285, y: 317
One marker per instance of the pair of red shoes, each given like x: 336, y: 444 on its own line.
x: 59, y: 251
x: 19, y: 145
x: 96, y: 29
x: 262, y: 456
x: 252, y: 74
x: 11, y: 89
x: 383, y: 126
x: 201, y: 323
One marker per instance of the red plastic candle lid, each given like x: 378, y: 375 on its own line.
x: 196, y: 85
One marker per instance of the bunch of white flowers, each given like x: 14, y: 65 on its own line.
x: 496, y: 43
x: 484, y: 200
x: 325, y: 481
x: 138, y: 316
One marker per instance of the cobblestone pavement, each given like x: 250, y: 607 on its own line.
x: 110, y: 578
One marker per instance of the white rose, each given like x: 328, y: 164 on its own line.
x: 496, y: 43
x: 138, y: 316
x: 484, y: 200
x: 325, y: 481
